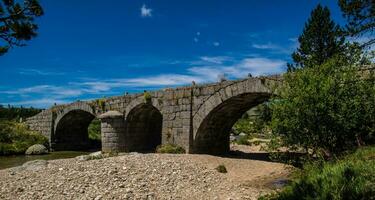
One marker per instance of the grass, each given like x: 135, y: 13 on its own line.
x: 351, y: 177
x: 170, y: 148
x: 15, y: 138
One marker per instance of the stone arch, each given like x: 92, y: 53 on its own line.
x: 143, y: 128
x: 70, y: 127
x: 216, y: 116
x: 141, y: 100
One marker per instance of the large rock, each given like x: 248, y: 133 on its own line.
x: 91, y: 156
x: 34, y: 165
x: 36, y: 149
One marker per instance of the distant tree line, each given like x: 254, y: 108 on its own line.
x: 14, y: 113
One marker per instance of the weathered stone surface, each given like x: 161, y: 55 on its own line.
x: 111, y: 114
x: 36, y: 149
x: 197, y: 117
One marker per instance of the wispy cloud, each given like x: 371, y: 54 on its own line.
x: 214, y: 59
x: 24, y: 71
x: 38, y: 103
x: 266, y: 46
x: 146, y: 12
x: 276, y: 48
x: 202, y: 70
x: 216, y: 44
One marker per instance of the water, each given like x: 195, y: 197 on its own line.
x: 13, y: 161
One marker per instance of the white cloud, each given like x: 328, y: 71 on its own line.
x: 266, y: 46
x: 215, y: 59
x: 255, y: 66
x: 146, y: 12
x: 198, y: 33
x: 275, y: 48
x: 216, y: 44
x: 205, y: 69
x: 24, y: 71
x: 196, y: 39
x: 37, y: 103
x: 293, y: 39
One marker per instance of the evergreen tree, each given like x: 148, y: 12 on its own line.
x: 17, y: 22
x: 319, y: 41
x: 360, y: 15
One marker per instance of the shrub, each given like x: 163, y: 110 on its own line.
x: 15, y: 138
x: 327, y: 109
x: 101, y: 104
x: 147, y: 97
x: 170, y: 148
x: 94, y: 130
x: 243, y: 140
x: 351, y: 177
x: 221, y: 169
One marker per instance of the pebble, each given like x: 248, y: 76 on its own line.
x: 129, y: 176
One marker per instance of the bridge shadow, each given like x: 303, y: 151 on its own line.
x: 292, y: 158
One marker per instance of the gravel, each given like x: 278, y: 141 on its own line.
x: 129, y: 176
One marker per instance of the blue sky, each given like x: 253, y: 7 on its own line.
x: 94, y: 48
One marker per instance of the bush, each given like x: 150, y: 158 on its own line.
x: 147, y: 97
x: 15, y: 138
x: 94, y: 130
x: 221, y: 169
x: 349, y: 178
x: 327, y: 109
x: 170, y: 148
x: 254, y: 122
x: 244, y: 140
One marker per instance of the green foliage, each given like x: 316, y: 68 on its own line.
x: 255, y: 125
x: 221, y: 169
x: 349, y: 178
x: 243, y: 140
x: 101, y: 104
x: 361, y: 18
x: 15, y: 138
x: 327, y: 109
x: 147, y: 97
x: 319, y: 41
x: 94, y: 130
x: 17, y: 22
x: 170, y: 148
x: 14, y: 113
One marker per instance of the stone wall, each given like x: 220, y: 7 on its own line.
x: 42, y: 123
x: 183, y: 109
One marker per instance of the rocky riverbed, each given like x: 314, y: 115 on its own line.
x: 141, y: 176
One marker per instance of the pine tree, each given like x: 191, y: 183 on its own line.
x: 321, y: 40
x: 360, y: 15
x: 17, y: 22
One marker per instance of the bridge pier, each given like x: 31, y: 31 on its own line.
x: 112, y: 131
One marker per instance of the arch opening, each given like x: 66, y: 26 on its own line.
x: 144, y: 127
x: 213, y: 134
x: 72, y: 132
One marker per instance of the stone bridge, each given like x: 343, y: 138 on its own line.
x: 197, y: 117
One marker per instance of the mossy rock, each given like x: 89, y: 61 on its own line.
x: 36, y: 149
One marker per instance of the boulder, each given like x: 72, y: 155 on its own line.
x: 34, y: 165
x: 91, y: 156
x: 36, y: 149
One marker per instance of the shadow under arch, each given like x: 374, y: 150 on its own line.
x: 212, y: 136
x: 143, y: 128
x: 71, y: 131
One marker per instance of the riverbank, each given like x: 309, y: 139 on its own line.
x: 143, y: 176
x: 17, y: 160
